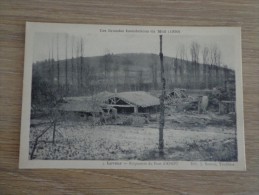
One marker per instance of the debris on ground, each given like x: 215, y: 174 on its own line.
x: 177, y: 96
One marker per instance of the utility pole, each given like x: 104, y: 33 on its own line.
x: 72, y: 62
x: 81, y: 63
x: 52, y: 65
x: 162, y: 105
x: 66, y: 68
x: 58, y: 66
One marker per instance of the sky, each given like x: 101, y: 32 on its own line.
x: 99, y: 44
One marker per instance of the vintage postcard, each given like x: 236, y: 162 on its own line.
x: 132, y: 97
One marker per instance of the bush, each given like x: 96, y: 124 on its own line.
x: 132, y: 120
x: 128, y: 121
x: 217, y: 95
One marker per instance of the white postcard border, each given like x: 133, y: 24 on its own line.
x: 25, y: 163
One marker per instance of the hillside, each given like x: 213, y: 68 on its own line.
x: 120, y: 62
x: 130, y: 71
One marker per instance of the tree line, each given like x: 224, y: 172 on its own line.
x: 192, y: 68
x: 195, y: 73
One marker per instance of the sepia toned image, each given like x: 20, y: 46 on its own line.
x: 132, y: 97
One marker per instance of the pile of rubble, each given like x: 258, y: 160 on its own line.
x: 177, y: 96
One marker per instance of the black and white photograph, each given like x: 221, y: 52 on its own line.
x: 132, y: 97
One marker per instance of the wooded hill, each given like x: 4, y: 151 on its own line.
x: 127, y: 72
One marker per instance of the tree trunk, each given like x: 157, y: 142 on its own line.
x: 162, y: 106
x: 54, y: 133
x: 58, y: 68
x: 66, y: 69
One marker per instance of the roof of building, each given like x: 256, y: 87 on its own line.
x: 95, y: 102
x: 96, y: 97
x: 80, y: 106
x: 139, y: 98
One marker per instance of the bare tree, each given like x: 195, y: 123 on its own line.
x: 168, y: 70
x: 215, y: 58
x: 226, y: 75
x: 126, y: 62
x: 194, y: 51
x: 205, y: 57
x: 218, y: 61
x: 49, y: 69
x: 176, y: 65
x: 215, y: 55
x: 140, y: 80
x: 115, y: 69
x: 219, y: 72
x: 153, y: 69
x: 182, y: 67
x: 126, y: 78
x: 106, y: 63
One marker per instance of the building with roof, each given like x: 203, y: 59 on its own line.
x: 133, y: 102
x: 80, y: 107
x: 104, y: 102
